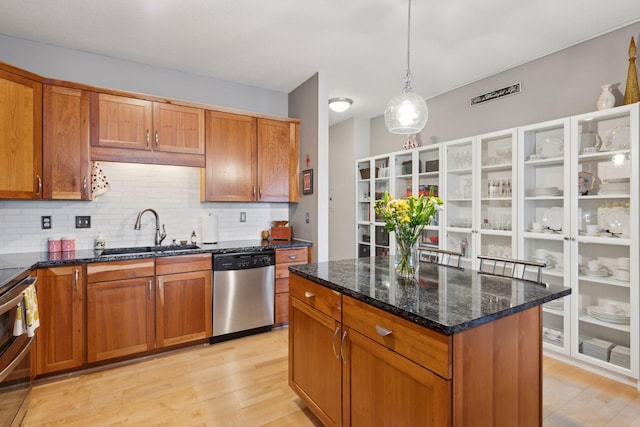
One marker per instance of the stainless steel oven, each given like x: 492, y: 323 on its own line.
x: 15, y: 350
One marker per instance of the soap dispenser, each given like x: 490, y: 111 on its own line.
x: 99, y: 242
x: 194, y: 237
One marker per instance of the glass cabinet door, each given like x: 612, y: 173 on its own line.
x: 543, y: 218
x: 459, y: 197
x: 364, y: 208
x: 429, y: 183
x: 496, y: 210
x: 605, y: 214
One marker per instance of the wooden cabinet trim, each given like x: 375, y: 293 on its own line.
x: 323, y: 299
x: 118, y: 270
x: 183, y: 264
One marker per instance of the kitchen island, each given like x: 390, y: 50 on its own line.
x: 452, y: 347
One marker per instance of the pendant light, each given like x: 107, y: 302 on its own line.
x: 406, y: 113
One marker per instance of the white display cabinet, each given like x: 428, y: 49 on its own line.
x: 604, y: 213
x: 429, y: 181
x: 480, y: 187
x: 372, y: 180
x: 544, y: 217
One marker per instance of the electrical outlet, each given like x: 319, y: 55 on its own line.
x: 83, y: 222
x: 243, y: 217
x: 45, y: 222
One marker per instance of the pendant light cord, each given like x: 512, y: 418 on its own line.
x: 408, y: 76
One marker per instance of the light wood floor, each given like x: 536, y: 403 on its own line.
x: 244, y: 383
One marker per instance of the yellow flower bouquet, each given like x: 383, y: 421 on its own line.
x: 407, y: 218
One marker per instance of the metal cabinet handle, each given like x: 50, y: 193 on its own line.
x: 157, y: 140
x: 149, y: 294
x: 253, y: 192
x: 160, y: 288
x: 39, y: 185
x: 77, y: 279
x: 84, y: 186
x: 148, y: 139
x: 344, y: 359
x: 260, y: 190
x: 382, y: 331
x: 293, y: 256
x: 333, y: 342
x: 309, y: 294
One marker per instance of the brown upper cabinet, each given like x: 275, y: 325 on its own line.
x: 20, y: 137
x: 65, y: 160
x: 250, y: 159
x: 138, y: 130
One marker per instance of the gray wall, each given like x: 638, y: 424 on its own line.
x: 562, y: 84
x: 72, y: 65
x: 308, y: 102
x: 349, y: 141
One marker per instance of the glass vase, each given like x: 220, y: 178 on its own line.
x: 406, y: 260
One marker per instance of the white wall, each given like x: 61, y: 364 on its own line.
x: 80, y: 67
x: 558, y: 85
x: 173, y: 191
x: 308, y: 102
x: 349, y: 141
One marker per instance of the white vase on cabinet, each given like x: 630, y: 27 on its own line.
x: 606, y: 98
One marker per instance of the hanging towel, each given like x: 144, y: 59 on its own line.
x: 99, y: 182
x: 18, y: 325
x: 31, y: 310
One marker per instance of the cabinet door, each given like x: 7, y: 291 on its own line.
x: 65, y: 160
x: 60, y: 342
x: 120, y: 122
x: 119, y: 318
x: 178, y: 129
x: 230, y: 172
x: 381, y: 386
x: 276, y: 144
x: 183, y: 308
x: 314, y: 361
x: 20, y: 137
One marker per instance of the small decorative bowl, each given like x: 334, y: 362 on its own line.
x: 183, y: 242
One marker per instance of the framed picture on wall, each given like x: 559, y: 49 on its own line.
x: 307, y: 181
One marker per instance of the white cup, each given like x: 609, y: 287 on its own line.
x: 537, y: 226
x: 610, y: 308
x: 592, y: 229
x: 623, y: 263
x: 623, y: 275
x: 541, y: 253
x: 594, y: 265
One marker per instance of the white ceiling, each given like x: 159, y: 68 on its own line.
x: 360, y: 44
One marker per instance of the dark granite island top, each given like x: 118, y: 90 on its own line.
x: 445, y: 299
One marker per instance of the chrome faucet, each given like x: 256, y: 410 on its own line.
x: 159, y: 236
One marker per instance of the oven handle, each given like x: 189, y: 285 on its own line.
x: 17, y: 290
x: 6, y: 371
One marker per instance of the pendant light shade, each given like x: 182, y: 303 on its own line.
x: 406, y: 113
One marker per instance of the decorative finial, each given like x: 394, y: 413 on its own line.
x: 631, y: 92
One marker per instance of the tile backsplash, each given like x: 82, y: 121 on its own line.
x: 172, y: 191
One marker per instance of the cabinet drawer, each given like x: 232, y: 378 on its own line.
x: 183, y: 264
x: 282, y: 285
x: 417, y: 343
x: 291, y: 256
x: 118, y: 270
x: 322, y: 299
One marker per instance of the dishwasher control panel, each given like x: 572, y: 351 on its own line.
x: 243, y: 260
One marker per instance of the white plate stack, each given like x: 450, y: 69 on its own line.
x: 615, y: 186
x: 619, y: 316
x: 545, y: 191
x: 621, y: 356
x: 553, y: 336
x: 596, y: 348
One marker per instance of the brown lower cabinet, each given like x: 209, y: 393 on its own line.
x: 141, y: 305
x: 60, y: 338
x: 286, y: 257
x: 350, y: 374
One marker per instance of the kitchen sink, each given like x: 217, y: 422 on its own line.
x: 146, y: 249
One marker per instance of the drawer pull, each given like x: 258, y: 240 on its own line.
x: 333, y: 342
x: 382, y: 331
x: 344, y: 359
x: 293, y: 256
x: 309, y: 294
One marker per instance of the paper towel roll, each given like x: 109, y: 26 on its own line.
x: 209, y: 228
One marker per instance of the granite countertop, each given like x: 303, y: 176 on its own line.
x: 15, y: 265
x: 445, y: 299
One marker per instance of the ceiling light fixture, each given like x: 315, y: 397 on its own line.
x: 406, y: 113
x: 340, y: 104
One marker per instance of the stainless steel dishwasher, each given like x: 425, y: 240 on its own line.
x: 243, y: 294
